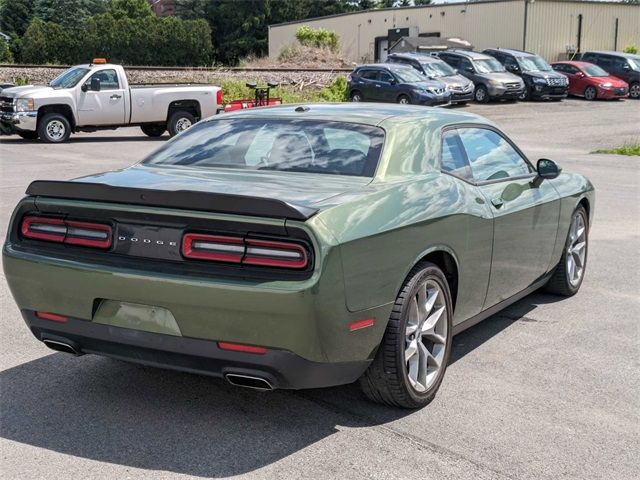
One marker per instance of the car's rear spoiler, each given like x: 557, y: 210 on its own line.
x: 181, y: 199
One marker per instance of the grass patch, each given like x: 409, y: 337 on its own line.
x: 336, y: 92
x: 624, y: 150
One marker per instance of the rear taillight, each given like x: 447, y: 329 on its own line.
x: 213, y: 247
x: 247, y: 251
x: 219, y: 97
x: 275, y: 254
x: 72, y: 232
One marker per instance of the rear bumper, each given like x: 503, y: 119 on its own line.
x: 281, y: 369
x: 18, y: 122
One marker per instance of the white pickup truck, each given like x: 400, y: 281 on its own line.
x: 97, y: 96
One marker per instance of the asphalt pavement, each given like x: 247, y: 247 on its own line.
x: 549, y: 388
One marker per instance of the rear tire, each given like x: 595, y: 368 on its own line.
x: 412, y: 358
x: 153, y: 130
x: 179, y: 122
x: 54, y: 128
x: 569, y: 274
x: 634, y: 90
x: 28, y: 135
x: 481, y: 94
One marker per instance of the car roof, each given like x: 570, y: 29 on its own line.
x: 512, y: 51
x: 617, y: 54
x: 364, y: 113
x: 468, y: 53
x: 421, y: 57
x: 386, y: 66
x: 575, y: 63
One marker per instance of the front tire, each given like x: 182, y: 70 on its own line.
x: 179, y: 122
x: 525, y: 95
x: 412, y: 358
x: 568, y: 275
x: 481, y: 94
x: 590, y: 93
x: 404, y: 100
x: 54, y: 128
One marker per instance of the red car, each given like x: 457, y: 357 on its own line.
x: 590, y: 81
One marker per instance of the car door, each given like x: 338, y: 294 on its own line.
x: 387, y: 86
x: 366, y: 83
x: 577, y: 80
x: 103, y: 107
x: 620, y: 68
x: 525, y: 213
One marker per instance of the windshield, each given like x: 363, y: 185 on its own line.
x: 634, y: 63
x: 69, y: 78
x: 438, y: 69
x: 309, y: 146
x: 489, y: 65
x: 594, y: 71
x: 533, y: 64
x: 408, y: 75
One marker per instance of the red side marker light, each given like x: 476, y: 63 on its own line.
x: 238, y: 347
x: 358, y: 324
x: 51, y: 316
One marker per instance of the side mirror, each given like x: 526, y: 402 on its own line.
x: 392, y: 81
x: 626, y: 67
x: 579, y: 74
x: 512, y: 68
x: 95, y: 84
x: 84, y: 87
x: 547, y: 170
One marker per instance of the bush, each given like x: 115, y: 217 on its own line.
x: 320, y: 37
x: 5, y: 53
x: 630, y: 49
x: 336, y: 92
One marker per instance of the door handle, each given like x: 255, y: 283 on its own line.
x: 497, y: 202
x: 115, y: 96
x: 378, y: 86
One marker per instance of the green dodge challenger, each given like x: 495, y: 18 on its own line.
x: 300, y: 247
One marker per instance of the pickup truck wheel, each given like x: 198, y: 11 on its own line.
x: 179, y: 122
x: 54, y: 128
x: 153, y: 130
x: 29, y: 135
x: 412, y: 358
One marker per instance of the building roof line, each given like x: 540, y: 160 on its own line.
x: 449, y: 4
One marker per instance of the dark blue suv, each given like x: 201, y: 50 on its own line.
x: 383, y: 82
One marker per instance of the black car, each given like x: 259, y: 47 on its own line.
x: 625, y: 66
x: 385, y: 82
x: 541, y: 81
x: 433, y: 68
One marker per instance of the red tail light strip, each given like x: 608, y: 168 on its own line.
x: 358, y: 324
x: 51, y: 316
x: 94, y: 235
x: 238, y: 347
x: 244, y: 250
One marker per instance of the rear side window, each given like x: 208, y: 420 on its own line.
x: 454, y: 158
x: 369, y: 74
x: 451, y: 60
x: 309, y: 146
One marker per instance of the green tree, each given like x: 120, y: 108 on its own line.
x: 5, y: 52
x: 132, y: 9
x: 422, y: 2
x: 15, y: 16
x: 57, y: 11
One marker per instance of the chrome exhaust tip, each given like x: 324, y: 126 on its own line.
x: 61, y: 347
x: 247, y: 381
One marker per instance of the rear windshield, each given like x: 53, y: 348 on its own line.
x: 336, y: 148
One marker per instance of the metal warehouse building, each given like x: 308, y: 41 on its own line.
x: 552, y: 28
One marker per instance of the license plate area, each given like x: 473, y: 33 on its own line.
x: 148, y: 241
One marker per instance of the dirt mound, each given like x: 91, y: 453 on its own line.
x: 302, y: 57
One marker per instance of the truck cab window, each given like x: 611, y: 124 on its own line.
x: 108, y: 79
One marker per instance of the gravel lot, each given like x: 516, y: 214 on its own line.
x: 546, y: 389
